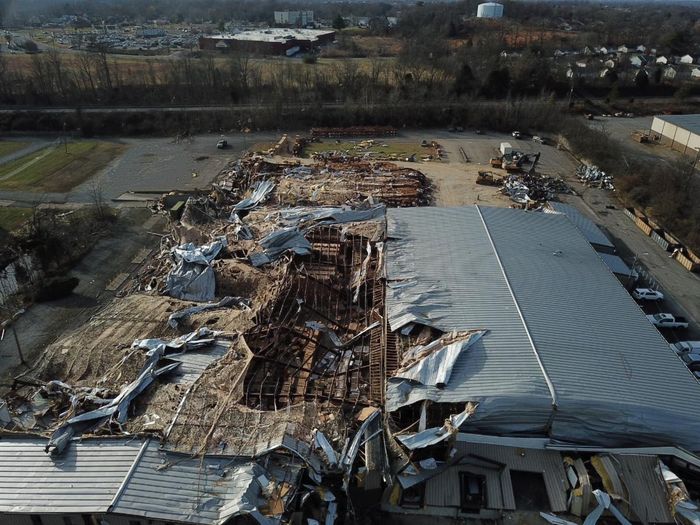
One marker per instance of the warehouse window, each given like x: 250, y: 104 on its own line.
x: 472, y: 491
x: 529, y: 490
x: 412, y: 497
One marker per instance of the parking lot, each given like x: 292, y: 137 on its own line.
x: 150, y: 165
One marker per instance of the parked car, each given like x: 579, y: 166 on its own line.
x: 647, y: 294
x: 686, y: 347
x: 668, y: 321
x: 222, y: 144
x: 692, y: 361
x: 516, y: 134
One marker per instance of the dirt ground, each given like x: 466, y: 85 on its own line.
x: 455, y: 179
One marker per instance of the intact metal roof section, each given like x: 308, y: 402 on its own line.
x: 173, y: 487
x: 587, y: 227
x: 615, y: 264
x: 688, y: 122
x: 84, y: 479
x: 454, y: 283
x: 616, y: 378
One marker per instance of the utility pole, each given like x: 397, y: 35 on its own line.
x: 14, y: 333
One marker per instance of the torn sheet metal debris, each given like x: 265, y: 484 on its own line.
x: 193, y: 278
x: 275, y: 244
x: 432, y: 364
x: 260, y: 192
x: 236, y: 302
x: 604, y: 503
x: 433, y: 436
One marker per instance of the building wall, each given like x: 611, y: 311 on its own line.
x: 261, y: 47
x: 676, y: 137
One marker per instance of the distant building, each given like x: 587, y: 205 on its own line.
x: 695, y: 74
x: 686, y: 59
x: 274, y: 41
x: 489, y: 10
x: 662, y: 60
x: 670, y: 73
x: 294, y: 18
x: 680, y: 132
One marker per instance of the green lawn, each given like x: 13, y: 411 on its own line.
x: 377, y: 148
x: 53, y: 169
x: 10, y: 146
x: 12, y: 218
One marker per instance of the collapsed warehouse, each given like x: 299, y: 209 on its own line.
x: 314, y: 343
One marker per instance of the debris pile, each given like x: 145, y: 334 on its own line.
x: 533, y: 187
x: 594, y: 177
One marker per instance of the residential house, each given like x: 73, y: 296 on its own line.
x: 686, y: 59
x: 638, y: 61
x: 670, y: 73
x: 642, y: 48
x: 662, y: 60
x: 695, y: 73
x: 623, y: 49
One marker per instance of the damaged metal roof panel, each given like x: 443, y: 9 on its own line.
x: 587, y: 227
x: 194, y: 362
x: 83, y: 480
x: 645, y: 486
x: 446, y: 256
x: 174, y: 487
x: 601, y: 353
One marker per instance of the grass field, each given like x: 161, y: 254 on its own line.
x: 54, y: 170
x: 375, y: 148
x: 10, y: 146
x: 12, y: 218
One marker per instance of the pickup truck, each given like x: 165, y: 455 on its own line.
x: 668, y: 321
x: 686, y: 347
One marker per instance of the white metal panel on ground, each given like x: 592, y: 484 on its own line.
x: 84, y: 479
x: 587, y: 227
x: 616, y: 381
x: 446, y: 257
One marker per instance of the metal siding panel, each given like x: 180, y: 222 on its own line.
x: 84, y: 479
x: 602, y: 354
x: 448, y: 254
x: 547, y: 462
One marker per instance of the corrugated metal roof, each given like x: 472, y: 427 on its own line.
x: 615, y: 264
x: 617, y: 381
x: 646, y: 488
x: 84, y: 479
x: 587, y: 227
x: 166, y: 486
x: 687, y: 122
x: 448, y: 260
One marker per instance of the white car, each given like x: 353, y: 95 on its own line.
x: 647, y: 294
x: 516, y: 134
x: 686, y: 347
